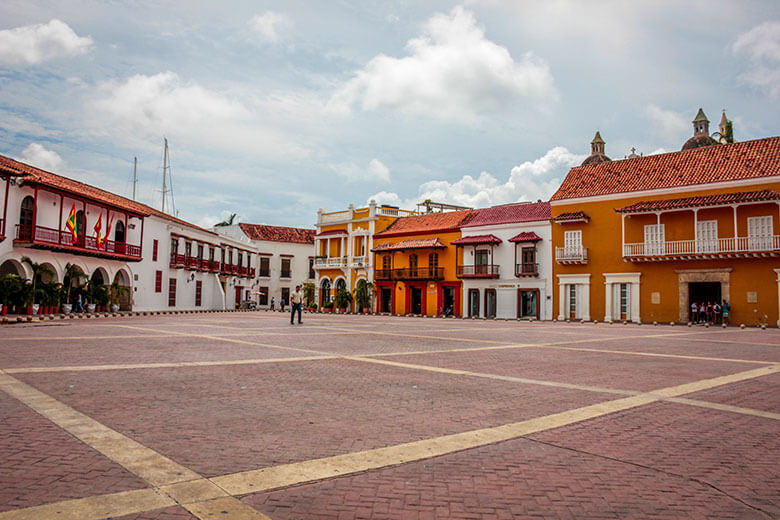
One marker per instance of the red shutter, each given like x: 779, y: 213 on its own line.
x: 172, y: 292
x: 198, y: 292
x: 154, y: 251
x: 158, y: 281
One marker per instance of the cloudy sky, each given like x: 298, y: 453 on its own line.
x: 275, y: 109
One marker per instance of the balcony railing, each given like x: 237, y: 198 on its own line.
x: 477, y: 271
x: 359, y: 261
x: 44, y: 236
x: 410, y: 273
x: 331, y: 262
x: 527, y: 269
x: 335, y: 216
x: 214, y: 266
x: 571, y: 255
x: 193, y: 262
x: 685, y: 249
x: 178, y: 260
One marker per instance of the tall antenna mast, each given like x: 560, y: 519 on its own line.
x: 165, y: 172
x: 135, y: 175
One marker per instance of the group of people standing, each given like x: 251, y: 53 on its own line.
x: 710, y: 312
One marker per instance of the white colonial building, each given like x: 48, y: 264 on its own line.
x: 285, y: 258
x: 165, y: 262
x: 505, y: 262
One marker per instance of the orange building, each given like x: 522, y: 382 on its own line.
x: 643, y: 238
x: 416, y: 264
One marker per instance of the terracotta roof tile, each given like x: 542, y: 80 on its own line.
x: 701, y: 201
x: 32, y: 174
x: 477, y: 239
x: 728, y: 162
x: 332, y: 232
x: 428, y: 223
x: 510, y: 213
x: 278, y: 233
x: 415, y: 243
x: 526, y: 236
x: 571, y: 216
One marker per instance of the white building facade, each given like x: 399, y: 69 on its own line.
x: 505, y: 262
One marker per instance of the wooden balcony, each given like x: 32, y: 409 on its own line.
x: 522, y: 270
x: 49, y: 238
x: 178, y: 260
x: 410, y: 273
x: 477, y: 271
x: 732, y: 247
x: 571, y: 255
x: 193, y: 263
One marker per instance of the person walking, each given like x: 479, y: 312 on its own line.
x: 79, y: 306
x: 273, y: 302
x: 694, y: 313
x: 296, y: 299
x: 726, y: 311
x: 702, y: 312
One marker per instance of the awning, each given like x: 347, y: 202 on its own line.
x: 572, y: 216
x: 477, y: 240
x: 526, y: 236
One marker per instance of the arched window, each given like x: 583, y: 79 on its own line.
x: 325, y: 291
x: 341, y: 284
x: 119, y: 232
x: 26, y: 218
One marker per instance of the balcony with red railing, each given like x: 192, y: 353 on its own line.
x: 214, y: 266
x: 177, y: 260
x: 252, y: 272
x: 526, y: 269
x: 203, y: 265
x: 477, y: 271
x: 192, y: 262
x: 49, y: 238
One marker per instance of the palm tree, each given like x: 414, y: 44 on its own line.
x: 38, y: 271
x: 71, y: 271
x: 228, y: 222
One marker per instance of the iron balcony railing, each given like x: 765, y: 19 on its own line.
x: 527, y: 269
x: 44, y: 236
x: 571, y: 255
x: 410, y: 273
x: 676, y: 248
x: 477, y: 271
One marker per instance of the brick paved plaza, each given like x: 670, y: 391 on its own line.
x: 242, y: 416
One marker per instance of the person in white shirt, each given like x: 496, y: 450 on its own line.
x: 296, y: 300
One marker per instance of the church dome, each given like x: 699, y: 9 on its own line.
x: 698, y: 141
x: 595, y: 158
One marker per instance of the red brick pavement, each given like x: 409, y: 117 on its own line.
x: 170, y: 513
x: 760, y: 394
x: 513, y: 479
x: 737, y: 454
x: 617, y: 371
x: 218, y: 420
x: 40, y: 463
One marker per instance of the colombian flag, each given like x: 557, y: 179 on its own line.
x: 71, y: 223
x: 98, y: 229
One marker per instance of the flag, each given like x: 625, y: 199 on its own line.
x: 72, y: 224
x: 98, y: 229
x: 108, y: 230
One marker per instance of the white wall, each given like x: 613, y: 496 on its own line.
x: 507, y: 285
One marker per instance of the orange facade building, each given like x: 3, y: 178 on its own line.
x: 643, y: 238
x: 416, y: 264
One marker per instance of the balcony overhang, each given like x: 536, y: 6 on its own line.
x: 699, y: 202
x: 477, y: 240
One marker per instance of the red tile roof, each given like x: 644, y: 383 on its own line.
x: 278, y: 233
x: 415, y: 243
x: 723, y: 199
x: 428, y: 223
x: 526, y: 236
x: 31, y: 174
x: 477, y: 239
x: 332, y: 232
x: 511, y: 213
x: 571, y: 216
x: 727, y: 162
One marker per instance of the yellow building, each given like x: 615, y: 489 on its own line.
x: 641, y: 239
x: 417, y: 264
x: 343, y: 243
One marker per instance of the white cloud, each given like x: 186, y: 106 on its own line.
x: 669, y: 123
x: 37, y: 155
x: 270, y: 26
x: 451, y: 72
x: 35, y: 43
x: 374, y: 171
x: 530, y: 180
x: 762, y: 46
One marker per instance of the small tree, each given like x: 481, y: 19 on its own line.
x: 38, y: 271
x: 308, y: 292
x: 11, y: 289
x: 343, y: 298
x: 363, y: 292
x: 72, y: 272
x: 116, y: 291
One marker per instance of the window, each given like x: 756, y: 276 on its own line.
x: 311, y: 268
x: 433, y: 261
x: 26, y: 218
x: 172, y: 292
x: 174, y: 246
x: 263, y: 296
x: 386, y: 262
x: 240, y: 262
x: 265, y: 266
x: 528, y: 258
x: 198, y: 292
x: 200, y: 252
x: 230, y: 256
x: 286, y: 295
x: 155, y: 246
x: 211, y: 254
x: 572, y: 244
x: 706, y: 236
x: 286, y: 268
x: 158, y: 281
x: 654, y: 239
x: 188, y: 249
x: 760, y: 233
x: 324, y: 291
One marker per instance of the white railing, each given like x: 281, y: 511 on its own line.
x: 338, y: 261
x: 359, y: 261
x: 336, y: 216
x: 394, y: 212
x: 704, y: 247
x: 571, y: 254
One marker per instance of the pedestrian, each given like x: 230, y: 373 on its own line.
x: 716, y: 311
x: 282, y: 302
x: 710, y: 317
x: 694, y: 313
x: 273, y: 302
x: 726, y: 311
x: 702, y: 312
x: 79, y: 306
x: 296, y: 299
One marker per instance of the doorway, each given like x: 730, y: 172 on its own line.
x: 490, y: 303
x: 528, y: 303
x: 448, y: 301
x: 415, y: 293
x: 474, y: 302
x: 704, y: 292
x: 386, y: 300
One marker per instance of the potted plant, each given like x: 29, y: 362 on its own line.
x: 343, y: 299
x: 115, y: 293
x: 308, y: 294
x: 327, y: 307
x: 90, y: 295
x: 73, y: 274
x: 312, y: 307
x: 363, y: 293
x: 11, y: 292
x: 38, y: 271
